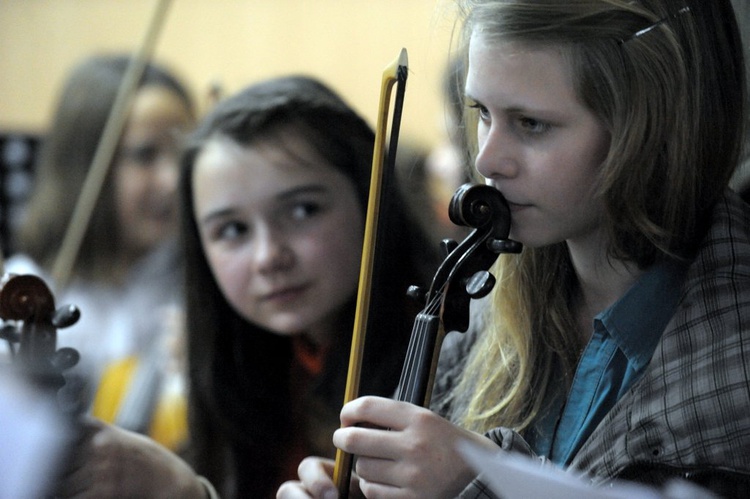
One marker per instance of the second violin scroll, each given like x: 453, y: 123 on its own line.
x: 27, y: 307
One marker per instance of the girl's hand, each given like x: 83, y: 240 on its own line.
x: 315, y: 482
x: 112, y: 462
x: 413, y: 455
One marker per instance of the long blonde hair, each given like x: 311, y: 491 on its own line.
x: 667, y: 79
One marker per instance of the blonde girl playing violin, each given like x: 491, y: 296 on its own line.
x: 616, y: 344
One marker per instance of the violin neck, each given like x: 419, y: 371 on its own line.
x: 418, y: 374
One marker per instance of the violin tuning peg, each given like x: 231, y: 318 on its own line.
x: 447, y: 246
x: 65, y: 358
x: 480, y: 284
x: 417, y: 293
x: 66, y: 316
x: 505, y: 246
x: 10, y: 333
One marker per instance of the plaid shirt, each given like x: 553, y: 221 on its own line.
x: 689, y: 416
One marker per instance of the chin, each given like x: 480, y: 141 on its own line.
x: 533, y: 242
x: 288, y: 329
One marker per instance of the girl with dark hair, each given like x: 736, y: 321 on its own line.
x: 275, y: 182
x: 274, y: 185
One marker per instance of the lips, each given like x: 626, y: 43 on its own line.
x: 512, y: 205
x: 158, y: 211
x: 517, y: 206
x: 284, y: 294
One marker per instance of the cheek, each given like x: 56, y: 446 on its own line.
x: 338, y: 254
x: 226, y: 269
x: 347, y: 258
x: 129, y: 185
x: 571, y: 178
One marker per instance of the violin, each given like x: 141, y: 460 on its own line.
x: 462, y: 276
x: 141, y: 394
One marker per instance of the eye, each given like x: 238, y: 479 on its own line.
x: 481, y: 111
x: 229, y: 231
x: 304, y: 210
x: 142, y: 155
x: 533, y: 126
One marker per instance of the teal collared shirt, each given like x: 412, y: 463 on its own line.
x: 624, y: 339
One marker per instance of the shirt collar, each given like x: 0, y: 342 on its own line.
x: 637, y: 320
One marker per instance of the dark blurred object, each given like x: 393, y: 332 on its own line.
x: 745, y: 191
x: 17, y: 155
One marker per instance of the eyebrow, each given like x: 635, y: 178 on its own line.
x: 512, y: 109
x: 542, y: 113
x: 469, y: 97
x: 215, y: 215
x: 303, y: 189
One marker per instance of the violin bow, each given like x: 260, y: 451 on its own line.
x: 105, y: 150
x: 394, y: 74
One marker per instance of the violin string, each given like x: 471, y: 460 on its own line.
x: 413, y: 366
x: 419, y: 368
x: 420, y: 335
x: 408, y: 370
x: 416, y: 360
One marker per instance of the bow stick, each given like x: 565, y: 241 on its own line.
x: 105, y: 151
x: 394, y: 74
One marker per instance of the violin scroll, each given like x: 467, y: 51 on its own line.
x: 480, y: 206
x: 462, y: 276
x: 464, y: 273
x: 25, y: 296
x: 27, y: 302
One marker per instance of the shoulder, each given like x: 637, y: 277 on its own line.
x: 697, y: 379
x: 715, y: 305
x: 725, y: 249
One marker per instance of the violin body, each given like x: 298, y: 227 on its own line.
x: 134, y: 394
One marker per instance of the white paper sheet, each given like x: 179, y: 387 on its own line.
x: 516, y: 477
x: 32, y: 437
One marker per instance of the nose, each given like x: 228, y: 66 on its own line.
x: 271, y: 252
x: 497, y: 156
x: 165, y: 174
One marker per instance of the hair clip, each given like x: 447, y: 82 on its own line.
x: 645, y: 30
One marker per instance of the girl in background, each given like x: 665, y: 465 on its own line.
x: 126, y: 277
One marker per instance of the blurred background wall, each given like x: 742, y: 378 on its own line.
x: 226, y: 44
x: 231, y: 43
